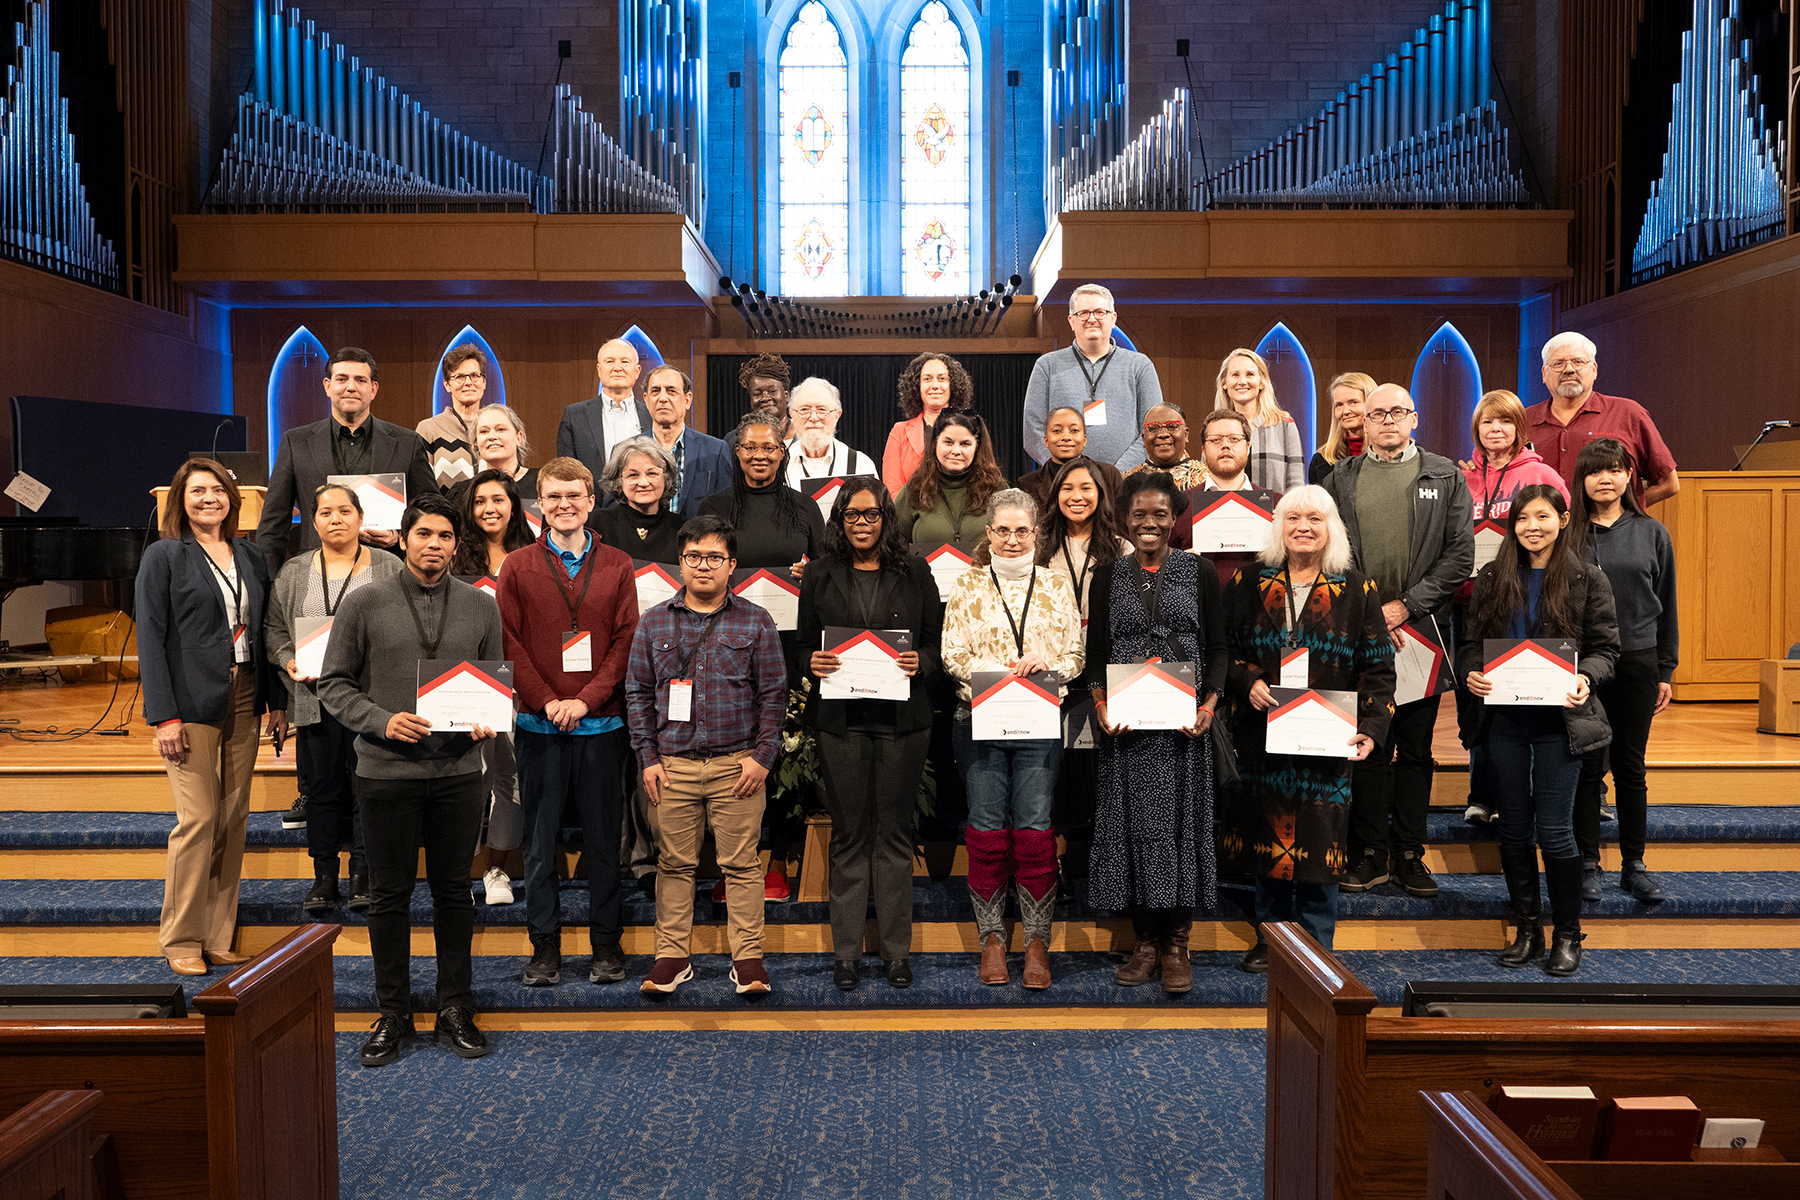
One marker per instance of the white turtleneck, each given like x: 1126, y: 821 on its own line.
x: 1015, y: 568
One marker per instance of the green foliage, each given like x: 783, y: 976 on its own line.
x: 797, y: 784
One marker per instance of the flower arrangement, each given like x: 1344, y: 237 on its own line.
x: 797, y: 783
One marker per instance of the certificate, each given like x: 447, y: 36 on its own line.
x: 487, y: 585
x: 824, y: 493
x: 534, y: 515
x: 1008, y: 707
x: 868, y: 664
x: 1079, y: 725
x: 1530, y: 671
x: 1233, y: 522
x: 655, y: 583
x: 1158, y: 695
x: 1311, y: 723
x: 1488, y: 536
x: 311, y: 636
x: 383, y: 497
x: 1422, y: 666
x: 777, y: 593
x: 947, y: 565
x: 457, y: 696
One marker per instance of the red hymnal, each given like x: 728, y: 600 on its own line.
x: 1556, y: 1122
x: 1651, y: 1129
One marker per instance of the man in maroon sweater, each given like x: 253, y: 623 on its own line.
x: 568, y: 608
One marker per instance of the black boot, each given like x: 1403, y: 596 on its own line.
x: 323, y: 894
x: 1563, y: 877
x: 1520, y: 865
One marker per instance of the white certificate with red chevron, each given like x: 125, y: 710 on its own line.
x: 383, y: 497
x: 868, y: 664
x: 775, y: 590
x: 947, y: 565
x: 656, y: 582
x: 824, y: 493
x: 457, y: 696
x: 1488, y: 536
x: 1530, y: 671
x: 311, y: 636
x: 1311, y: 723
x: 1233, y: 522
x: 1007, y: 707
x: 1152, y: 695
x: 1422, y: 662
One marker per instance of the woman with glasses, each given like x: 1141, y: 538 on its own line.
x: 871, y: 752
x: 1153, y: 846
x: 501, y: 446
x: 1244, y: 387
x: 1348, y: 392
x: 946, y: 500
x: 1011, y: 615
x: 931, y: 385
x: 640, y: 475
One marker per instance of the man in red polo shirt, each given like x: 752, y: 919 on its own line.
x: 1575, y: 414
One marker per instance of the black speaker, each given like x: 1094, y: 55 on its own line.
x: 92, y: 1002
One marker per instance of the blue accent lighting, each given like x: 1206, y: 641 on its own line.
x: 1296, y: 387
x: 648, y: 355
x: 1119, y: 339
x: 496, y: 378
x: 296, y: 394
x: 1446, y: 387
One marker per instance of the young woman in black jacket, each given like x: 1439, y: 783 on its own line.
x: 1537, y: 587
x: 871, y: 752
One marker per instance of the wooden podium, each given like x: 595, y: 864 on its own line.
x: 1737, y: 576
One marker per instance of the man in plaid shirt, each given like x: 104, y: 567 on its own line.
x: 706, y: 694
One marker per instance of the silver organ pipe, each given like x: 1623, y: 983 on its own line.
x: 1154, y: 171
x: 1721, y: 187
x: 45, y: 219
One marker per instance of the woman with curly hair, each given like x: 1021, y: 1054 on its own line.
x: 931, y: 384
x: 946, y: 499
x: 768, y: 379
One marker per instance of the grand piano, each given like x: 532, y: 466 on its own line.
x: 39, y: 550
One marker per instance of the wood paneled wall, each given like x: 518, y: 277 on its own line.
x: 1597, y: 45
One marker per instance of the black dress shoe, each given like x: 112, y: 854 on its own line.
x: 899, y: 973
x: 322, y: 896
x: 392, y: 1031
x: 846, y: 973
x: 1256, y: 959
x: 456, y: 1029
x: 359, y: 893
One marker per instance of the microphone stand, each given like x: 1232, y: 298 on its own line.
x: 1767, y: 427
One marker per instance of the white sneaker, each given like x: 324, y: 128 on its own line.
x: 1478, y: 812
x: 497, y: 886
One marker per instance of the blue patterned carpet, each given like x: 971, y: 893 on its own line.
x: 784, y: 1116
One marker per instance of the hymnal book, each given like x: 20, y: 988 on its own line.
x: 1731, y: 1133
x: 868, y: 664
x: 1530, y: 671
x: 1422, y: 666
x: 1651, y: 1129
x: 947, y: 564
x: 1556, y: 1122
x: 1151, y: 695
x: 824, y: 493
x: 1488, y: 536
x: 1004, y: 707
x: 1311, y: 722
x: 774, y: 590
x: 455, y: 696
x: 311, y: 636
x: 656, y: 582
x: 383, y: 497
x: 1233, y: 522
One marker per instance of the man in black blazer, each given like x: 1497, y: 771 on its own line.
x: 704, y: 461
x: 591, y: 428
x: 348, y: 442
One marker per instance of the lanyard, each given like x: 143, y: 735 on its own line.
x: 1018, y: 627
x: 1093, y: 381
x: 427, y: 643
x: 801, y: 459
x: 235, y: 618
x: 1293, y: 616
x: 687, y: 656
x: 563, y: 583
x: 1487, y: 507
x: 325, y: 581
x: 1079, y: 578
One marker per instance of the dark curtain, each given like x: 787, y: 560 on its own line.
x: 869, y: 386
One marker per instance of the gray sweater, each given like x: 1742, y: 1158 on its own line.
x: 297, y: 594
x: 372, y: 670
x: 1129, y: 387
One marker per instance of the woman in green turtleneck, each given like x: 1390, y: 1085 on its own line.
x: 946, y: 499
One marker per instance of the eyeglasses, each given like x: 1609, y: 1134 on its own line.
x: 1570, y: 364
x: 1381, y: 416
x: 695, y: 559
x: 1219, y: 443
x: 759, y: 449
x: 1092, y: 314
x: 465, y: 377
x: 556, y: 498
x: 862, y: 516
x: 1002, y: 534
x: 1164, y: 426
x: 811, y: 410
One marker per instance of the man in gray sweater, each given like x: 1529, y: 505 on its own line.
x: 1112, y: 387
x: 416, y: 788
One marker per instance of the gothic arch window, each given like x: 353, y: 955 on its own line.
x: 1296, y: 387
x: 934, y: 156
x: 1446, y: 386
x: 814, y: 175
x: 296, y: 389
x: 496, y: 377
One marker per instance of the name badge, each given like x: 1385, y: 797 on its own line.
x: 578, y: 650
x: 1093, y: 413
x: 1294, y: 668
x: 238, y: 635
x: 681, y: 699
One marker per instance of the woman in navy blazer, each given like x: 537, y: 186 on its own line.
x: 201, y: 596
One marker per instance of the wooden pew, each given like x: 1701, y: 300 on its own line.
x: 239, y: 1104
x: 45, y: 1146
x: 1343, y: 1119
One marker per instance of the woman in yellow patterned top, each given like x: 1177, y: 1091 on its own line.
x: 1014, y: 616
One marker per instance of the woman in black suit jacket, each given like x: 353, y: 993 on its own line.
x: 201, y: 596
x: 871, y: 752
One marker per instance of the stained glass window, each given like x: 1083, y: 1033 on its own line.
x: 934, y: 156
x: 815, y: 163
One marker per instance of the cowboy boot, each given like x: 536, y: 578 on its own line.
x: 990, y: 927
x: 1037, y: 914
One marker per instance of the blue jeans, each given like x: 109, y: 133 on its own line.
x: 1312, y: 905
x: 1002, y: 778
x: 1534, y: 778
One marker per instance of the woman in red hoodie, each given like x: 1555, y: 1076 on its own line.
x: 1503, y: 463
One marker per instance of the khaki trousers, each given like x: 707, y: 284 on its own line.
x: 206, y: 848
x: 698, y: 792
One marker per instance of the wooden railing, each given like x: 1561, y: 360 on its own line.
x: 45, y: 1148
